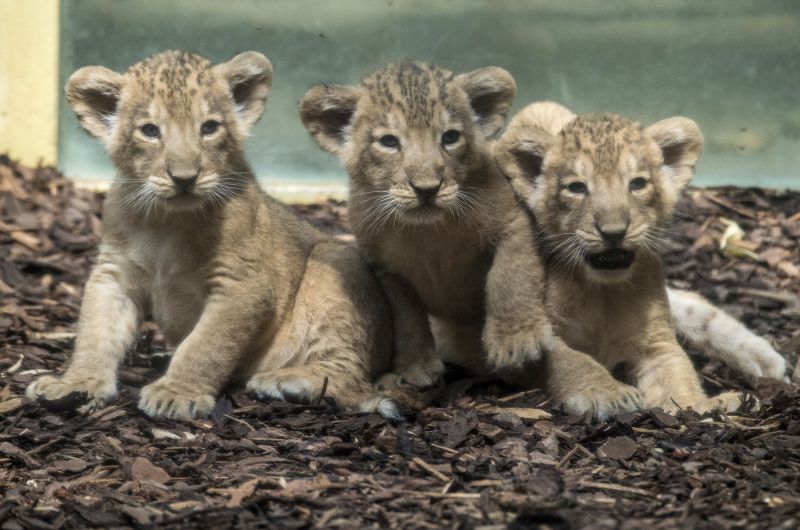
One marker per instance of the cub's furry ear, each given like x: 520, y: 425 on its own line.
x: 681, y: 144
x: 93, y: 93
x: 521, y: 151
x: 249, y: 77
x: 491, y: 92
x: 326, y: 111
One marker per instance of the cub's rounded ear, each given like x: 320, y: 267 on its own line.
x: 491, y: 92
x: 521, y: 151
x: 520, y: 155
x: 681, y: 144
x: 327, y: 111
x: 249, y: 77
x: 93, y: 93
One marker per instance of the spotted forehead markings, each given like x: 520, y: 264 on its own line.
x: 416, y: 89
x: 175, y: 77
x: 601, y: 137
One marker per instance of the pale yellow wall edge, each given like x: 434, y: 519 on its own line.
x: 29, y: 80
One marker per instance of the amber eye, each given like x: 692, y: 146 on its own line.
x: 209, y: 127
x: 639, y: 183
x: 389, y: 140
x: 450, y: 137
x: 578, y: 188
x: 150, y: 130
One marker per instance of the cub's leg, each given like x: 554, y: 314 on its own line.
x: 517, y: 330
x: 416, y: 366
x: 667, y: 379
x: 579, y: 383
x: 722, y: 336
x: 339, y: 329
x: 204, y: 361
x: 107, y: 327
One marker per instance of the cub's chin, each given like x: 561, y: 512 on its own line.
x: 610, y: 266
x: 425, y: 214
x: 184, y: 202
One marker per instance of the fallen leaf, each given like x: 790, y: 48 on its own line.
x: 71, y: 465
x: 618, y: 448
x: 143, y: 469
x: 10, y: 405
x: 161, y: 434
x: 241, y: 492
x: 524, y: 413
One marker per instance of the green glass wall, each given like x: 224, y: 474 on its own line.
x: 732, y: 65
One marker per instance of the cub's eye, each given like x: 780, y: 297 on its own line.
x: 209, y: 127
x: 389, y: 140
x: 578, y: 188
x: 639, y: 183
x: 450, y: 137
x: 150, y: 130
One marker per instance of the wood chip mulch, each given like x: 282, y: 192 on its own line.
x: 487, y: 458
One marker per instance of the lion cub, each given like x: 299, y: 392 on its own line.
x: 243, y: 290
x: 430, y: 210
x: 603, y: 189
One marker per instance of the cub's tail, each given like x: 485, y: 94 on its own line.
x: 723, y: 337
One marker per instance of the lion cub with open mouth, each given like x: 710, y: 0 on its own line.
x: 242, y: 289
x: 603, y: 190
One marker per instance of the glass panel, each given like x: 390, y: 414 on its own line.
x: 732, y: 65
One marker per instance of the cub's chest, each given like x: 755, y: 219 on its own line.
x: 604, y: 323
x: 169, y: 268
x: 447, y: 274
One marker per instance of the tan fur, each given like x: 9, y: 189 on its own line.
x: 468, y: 263
x: 243, y: 290
x: 620, y: 316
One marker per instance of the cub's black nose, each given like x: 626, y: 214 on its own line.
x: 183, y: 182
x: 426, y: 193
x: 614, y: 234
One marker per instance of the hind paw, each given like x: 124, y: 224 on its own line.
x: 420, y: 376
x: 286, y: 385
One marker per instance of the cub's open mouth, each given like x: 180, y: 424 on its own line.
x: 612, y: 259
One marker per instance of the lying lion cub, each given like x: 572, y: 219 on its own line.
x: 603, y: 189
x: 243, y: 289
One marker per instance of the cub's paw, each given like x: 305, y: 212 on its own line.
x: 760, y: 359
x: 604, y: 400
x: 505, y: 349
x: 166, y: 399
x: 420, y: 376
x: 725, y: 402
x: 285, y: 384
x: 71, y: 392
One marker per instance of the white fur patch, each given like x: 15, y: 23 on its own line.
x: 723, y: 337
x: 383, y: 406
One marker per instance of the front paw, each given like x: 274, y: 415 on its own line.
x: 166, y: 398
x: 604, y: 400
x: 507, y: 349
x: 73, y: 392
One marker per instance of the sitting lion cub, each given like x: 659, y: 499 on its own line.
x: 602, y: 189
x: 242, y: 289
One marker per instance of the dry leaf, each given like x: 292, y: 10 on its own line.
x: 143, y: 469
x: 618, y: 448
x: 525, y: 413
x: 10, y: 405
